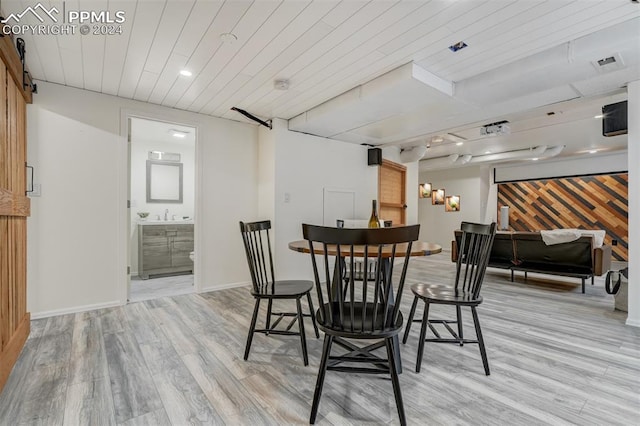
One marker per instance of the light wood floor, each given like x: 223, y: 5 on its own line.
x: 557, y: 357
x: 153, y: 288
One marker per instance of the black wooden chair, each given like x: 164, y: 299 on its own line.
x: 471, y: 265
x: 366, y: 310
x: 258, y: 250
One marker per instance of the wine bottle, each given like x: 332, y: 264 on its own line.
x: 374, y: 222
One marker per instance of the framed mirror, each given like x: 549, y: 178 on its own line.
x: 164, y: 182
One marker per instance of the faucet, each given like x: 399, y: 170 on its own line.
x: 166, y: 214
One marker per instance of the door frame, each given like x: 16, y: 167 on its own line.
x: 124, y: 213
x: 400, y: 168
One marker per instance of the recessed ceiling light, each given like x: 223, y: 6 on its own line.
x: 534, y: 159
x: 487, y: 152
x: 593, y: 151
x: 459, y: 143
x: 186, y: 73
x: 228, y: 38
x: 181, y: 134
x: 598, y: 116
x: 437, y: 139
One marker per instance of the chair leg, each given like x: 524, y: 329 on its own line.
x: 459, y: 318
x: 483, y: 352
x: 313, y: 315
x: 395, y: 381
x: 303, y: 339
x: 592, y: 279
x: 410, y: 320
x: 512, y: 275
x: 252, y: 328
x: 423, y: 335
x: 326, y: 351
x: 268, y: 323
x: 583, y: 286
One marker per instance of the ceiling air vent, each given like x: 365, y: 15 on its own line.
x: 609, y: 63
x: 606, y: 61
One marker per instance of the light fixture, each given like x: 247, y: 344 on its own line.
x: 534, y: 159
x: 598, y: 116
x: 487, y: 152
x: 498, y: 128
x: 437, y: 139
x: 228, y: 38
x: 593, y: 151
x: 424, y: 190
x: 409, y: 155
x: 186, y: 73
x: 164, y: 156
x: 181, y: 134
x: 459, y: 143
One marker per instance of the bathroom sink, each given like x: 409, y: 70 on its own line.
x: 165, y: 222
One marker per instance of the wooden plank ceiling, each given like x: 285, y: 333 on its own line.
x: 323, y: 47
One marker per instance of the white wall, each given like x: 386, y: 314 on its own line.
x: 140, y: 148
x: 304, y: 166
x: 267, y: 172
x: 588, y: 164
x: 634, y: 203
x: 473, y: 187
x: 77, y: 231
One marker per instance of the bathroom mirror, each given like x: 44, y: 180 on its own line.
x: 164, y: 182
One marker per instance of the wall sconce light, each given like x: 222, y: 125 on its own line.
x: 452, y: 203
x: 437, y: 196
x: 424, y: 190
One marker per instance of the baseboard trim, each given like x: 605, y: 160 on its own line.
x: 76, y: 309
x: 10, y: 353
x: 225, y: 286
x: 633, y: 322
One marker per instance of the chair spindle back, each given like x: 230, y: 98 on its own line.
x: 257, y: 246
x: 366, y: 307
x: 476, y: 243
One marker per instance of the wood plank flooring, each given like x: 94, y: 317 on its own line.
x: 556, y: 356
x: 153, y: 288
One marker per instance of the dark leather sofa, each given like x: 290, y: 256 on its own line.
x: 527, y: 252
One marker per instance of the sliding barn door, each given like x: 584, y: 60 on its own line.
x: 14, y: 209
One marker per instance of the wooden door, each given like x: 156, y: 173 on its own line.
x: 14, y: 209
x: 392, y: 182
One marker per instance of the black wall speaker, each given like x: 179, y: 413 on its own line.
x: 614, y: 119
x: 374, y: 156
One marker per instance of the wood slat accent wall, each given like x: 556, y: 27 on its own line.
x: 591, y: 202
x: 14, y: 209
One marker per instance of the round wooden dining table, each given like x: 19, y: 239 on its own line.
x: 418, y: 248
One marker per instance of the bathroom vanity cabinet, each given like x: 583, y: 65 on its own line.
x: 164, y: 249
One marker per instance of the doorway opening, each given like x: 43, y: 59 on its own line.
x: 162, y: 195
